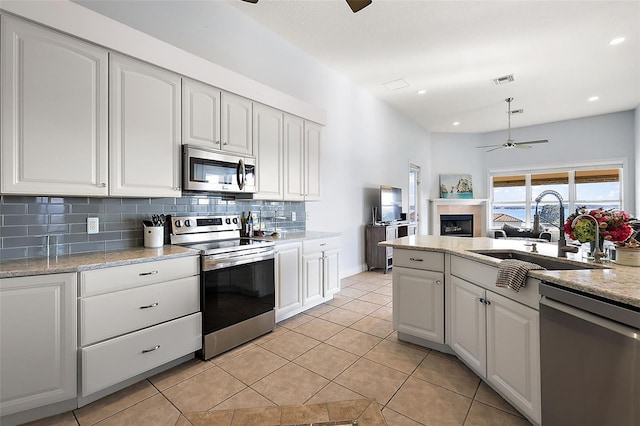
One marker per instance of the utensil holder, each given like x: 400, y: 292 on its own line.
x: 153, y: 236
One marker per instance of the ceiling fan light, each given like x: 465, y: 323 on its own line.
x: 357, y: 5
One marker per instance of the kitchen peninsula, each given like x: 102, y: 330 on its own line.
x: 446, y: 297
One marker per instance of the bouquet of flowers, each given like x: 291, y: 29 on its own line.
x: 614, y: 225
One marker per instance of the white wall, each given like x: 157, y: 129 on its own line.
x: 365, y: 142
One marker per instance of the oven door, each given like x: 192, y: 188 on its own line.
x: 236, y: 290
x: 210, y: 171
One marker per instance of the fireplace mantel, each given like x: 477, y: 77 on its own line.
x: 473, y: 206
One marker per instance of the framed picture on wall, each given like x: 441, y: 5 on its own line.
x: 456, y: 186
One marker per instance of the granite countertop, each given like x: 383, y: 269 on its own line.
x: 83, y: 262
x: 292, y: 237
x: 614, y: 282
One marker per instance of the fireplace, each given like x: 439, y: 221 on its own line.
x: 456, y: 225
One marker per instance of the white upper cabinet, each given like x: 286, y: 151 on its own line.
x: 312, y: 141
x: 54, y: 113
x: 236, y: 124
x: 145, y: 132
x: 301, y: 159
x: 200, y: 114
x: 293, y: 158
x: 267, y: 147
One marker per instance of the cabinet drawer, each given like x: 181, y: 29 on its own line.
x: 107, y: 363
x: 322, y: 244
x: 113, y: 314
x: 419, y: 259
x: 485, y: 276
x: 98, y: 281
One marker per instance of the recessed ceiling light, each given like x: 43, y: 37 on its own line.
x: 616, y: 40
x: 456, y: 123
x: 593, y: 99
x: 421, y: 92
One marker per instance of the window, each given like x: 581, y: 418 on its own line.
x: 513, y: 195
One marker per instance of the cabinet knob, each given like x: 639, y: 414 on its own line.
x: 102, y: 185
x: 438, y: 282
x: 217, y: 142
x: 177, y: 188
x: 226, y: 143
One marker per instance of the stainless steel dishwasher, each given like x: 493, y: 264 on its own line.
x: 589, y: 360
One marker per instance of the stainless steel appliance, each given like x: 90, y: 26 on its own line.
x: 205, y: 170
x: 590, y: 359
x: 237, y: 280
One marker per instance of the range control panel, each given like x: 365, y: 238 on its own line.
x: 196, y: 224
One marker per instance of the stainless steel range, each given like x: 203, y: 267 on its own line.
x: 237, y: 280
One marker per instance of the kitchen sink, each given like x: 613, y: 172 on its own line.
x: 544, y: 261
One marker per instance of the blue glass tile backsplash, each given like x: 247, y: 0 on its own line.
x: 29, y: 226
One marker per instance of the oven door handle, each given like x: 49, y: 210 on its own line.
x: 214, y: 264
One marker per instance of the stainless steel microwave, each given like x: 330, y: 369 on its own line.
x: 207, y: 170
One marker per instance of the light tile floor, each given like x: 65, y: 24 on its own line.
x: 342, y: 350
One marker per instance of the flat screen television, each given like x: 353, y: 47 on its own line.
x: 390, y: 206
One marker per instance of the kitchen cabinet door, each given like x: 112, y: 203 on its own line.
x: 467, y: 323
x: 293, y: 158
x: 236, y: 125
x: 331, y: 272
x: 288, y: 279
x: 54, y: 113
x: 513, y: 352
x: 200, y: 114
x: 312, y: 278
x: 267, y: 146
x: 144, y: 113
x: 418, y: 303
x: 312, y: 141
x: 37, y: 341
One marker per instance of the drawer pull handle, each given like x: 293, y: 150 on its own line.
x: 153, y: 305
x: 142, y: 274
x: 413, y: 259
x: 155, y: 348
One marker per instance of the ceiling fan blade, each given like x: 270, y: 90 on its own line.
x: 251, y: 1
x: 499, y: 147
x: 489, y: 146
x: 517, y: 145
x: 532, y: 142
x: 357, y: 5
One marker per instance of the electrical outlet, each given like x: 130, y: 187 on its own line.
x: 92, y: 225
x: 293, y: 216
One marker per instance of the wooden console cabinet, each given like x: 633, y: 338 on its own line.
x: 382, y: 257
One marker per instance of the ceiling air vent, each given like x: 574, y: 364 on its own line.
x: 503, y: 80
x: 398, y: 84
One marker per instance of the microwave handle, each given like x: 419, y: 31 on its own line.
x: 240, y: 174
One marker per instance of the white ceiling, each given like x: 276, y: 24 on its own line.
x: 558, y: 51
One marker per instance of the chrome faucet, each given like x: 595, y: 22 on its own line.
x: 563, y: 248
x: 597, y: 254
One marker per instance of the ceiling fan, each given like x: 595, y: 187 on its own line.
x: 355, y: 5
x: 510, y: 143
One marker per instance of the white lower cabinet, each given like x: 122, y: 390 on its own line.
x: 115, y: 360
x: 288, y: 279
x: 307, y: 274
x: 468, y: 324
x: 320, y: 269
x: 37, y: 341
x: 134, y: 318
x: 499, y: 339
x: 418, y: 303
